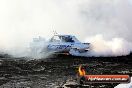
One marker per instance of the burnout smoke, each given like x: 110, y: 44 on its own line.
x: 22, y: 20
x: 114, y: 47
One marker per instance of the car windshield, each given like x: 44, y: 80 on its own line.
x: 55, y: 39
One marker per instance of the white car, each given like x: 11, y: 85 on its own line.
x: 61, y: 44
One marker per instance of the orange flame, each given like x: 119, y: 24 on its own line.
x: 81, y: 71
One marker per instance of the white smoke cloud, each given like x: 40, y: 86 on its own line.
x: 21, y: 20
x: 114, y: 47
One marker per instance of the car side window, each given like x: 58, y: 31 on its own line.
x: 67, y: 39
